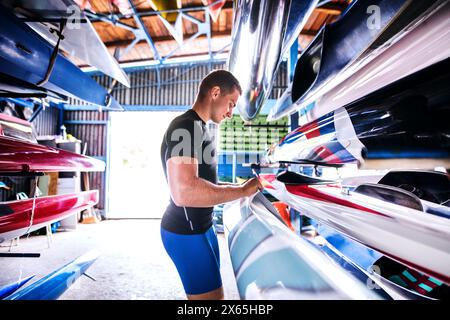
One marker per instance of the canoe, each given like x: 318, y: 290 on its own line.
x: 166, y: 5
x: 421, y: 49
x: 299, y: 13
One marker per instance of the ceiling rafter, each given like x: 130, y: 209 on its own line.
x: 130, y: 41
x: 151, y: 12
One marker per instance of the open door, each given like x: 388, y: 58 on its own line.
x: 137, y: 185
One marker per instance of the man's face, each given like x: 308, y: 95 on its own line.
x: 223, y: 105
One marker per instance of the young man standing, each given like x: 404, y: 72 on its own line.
x: 188, y: 157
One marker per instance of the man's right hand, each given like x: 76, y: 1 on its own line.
x: 251, y: 186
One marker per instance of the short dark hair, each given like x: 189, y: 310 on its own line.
x: 221, y: 78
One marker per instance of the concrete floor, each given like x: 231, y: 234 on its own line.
x: 133, y: 263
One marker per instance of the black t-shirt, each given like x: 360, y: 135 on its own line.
x: 188, y: 136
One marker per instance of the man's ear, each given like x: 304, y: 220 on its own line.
x: 215, y: 92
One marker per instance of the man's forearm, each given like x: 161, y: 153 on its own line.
x: 220, y: 183
x: 203, y: 193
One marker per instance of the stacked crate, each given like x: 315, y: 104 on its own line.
x: 257, y: 136
x: 242, y: 143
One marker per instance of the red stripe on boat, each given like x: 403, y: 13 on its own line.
x: 311, y: 130
x: 326, y: 154
x: 312, y: 193
x: 267, y: 179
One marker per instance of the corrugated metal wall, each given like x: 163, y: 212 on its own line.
x: 177, y: 87
x: 93, y: 137
x: 46, y: 123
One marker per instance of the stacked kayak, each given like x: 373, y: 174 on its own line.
x: 386, y: 218
x: 271, y: 262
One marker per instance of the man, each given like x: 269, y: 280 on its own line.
x: 189, y: 162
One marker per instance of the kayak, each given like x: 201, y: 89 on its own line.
x: 386, y: 218
x: 81, y: 42
x: 8, y: 289
x: 52, y: 286
x: 20, y: 217
x: 24, y: 67
x: 271, y: 262
x: 374, y: 268
x: 18, y: 156
x: 346, y: 50
x: 403, y: 120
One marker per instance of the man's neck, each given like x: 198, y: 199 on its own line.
x: 202, y: 111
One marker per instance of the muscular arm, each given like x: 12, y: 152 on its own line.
x: 189, y: 190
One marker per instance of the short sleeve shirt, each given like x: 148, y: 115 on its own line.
x: 188, y: 136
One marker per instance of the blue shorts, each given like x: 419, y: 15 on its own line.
x: 197, y: 259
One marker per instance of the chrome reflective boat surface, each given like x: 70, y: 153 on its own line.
x: 342, y: 48
x: 257, y: 39
x: 270, y: 261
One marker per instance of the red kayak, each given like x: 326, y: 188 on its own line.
x: 18, y: 156
x: 17, y: 218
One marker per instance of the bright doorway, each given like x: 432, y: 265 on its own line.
x: 137, y: 185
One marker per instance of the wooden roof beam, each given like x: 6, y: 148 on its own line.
x: 146, y: 13
x: 121, y: 43
x: 126, y: 42
x: 332, y: 8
